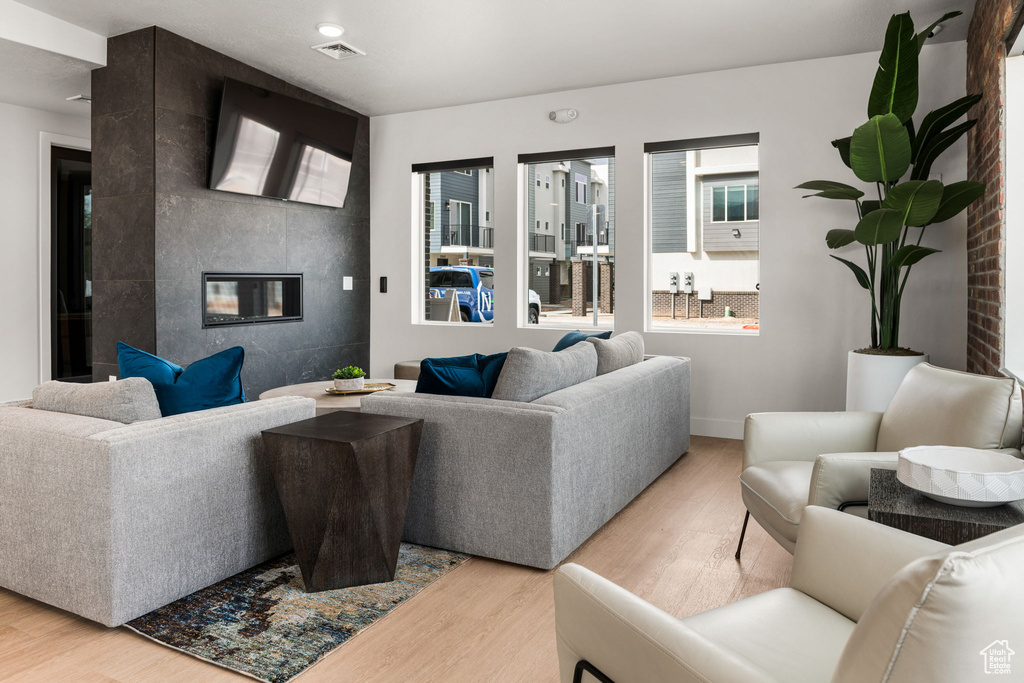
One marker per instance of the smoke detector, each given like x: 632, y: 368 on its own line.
x: 339, y: 50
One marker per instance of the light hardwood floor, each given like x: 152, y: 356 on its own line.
x: 487, y: 620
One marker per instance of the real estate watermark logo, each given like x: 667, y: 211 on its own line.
x: 997, y: 657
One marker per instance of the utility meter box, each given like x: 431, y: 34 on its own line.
x: 688, y: 283
x: 673, y: 283
x: 704, y: 294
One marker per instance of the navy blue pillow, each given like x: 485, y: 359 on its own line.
x: 473, y: 375
x: 575, y: 337
x: 208, y: 383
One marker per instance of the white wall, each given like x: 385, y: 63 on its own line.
x: 812, y: 311
x: 19, y: 233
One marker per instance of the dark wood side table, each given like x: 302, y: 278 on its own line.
x: 344, y: 480
x: 893, y: 503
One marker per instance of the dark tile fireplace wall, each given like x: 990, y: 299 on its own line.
x: 157, y: 227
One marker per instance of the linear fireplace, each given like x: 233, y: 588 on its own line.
x: 251, y: 298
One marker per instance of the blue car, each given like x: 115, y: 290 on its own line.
x: 474, y: 289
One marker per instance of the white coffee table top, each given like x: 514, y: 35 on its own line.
x: 328, y: 402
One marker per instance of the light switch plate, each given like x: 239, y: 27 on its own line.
x: 346, y: 282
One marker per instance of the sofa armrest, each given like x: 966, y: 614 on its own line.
x: 630, y: 640
x: 769, y: 437
x: 843, y: 561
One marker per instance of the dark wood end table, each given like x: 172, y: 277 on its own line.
x: 344, y: 480
x: 893, y: 503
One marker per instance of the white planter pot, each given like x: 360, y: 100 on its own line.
x: 349, y: 384
x: 871, y: 380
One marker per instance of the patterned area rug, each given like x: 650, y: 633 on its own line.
x: 263, y: 624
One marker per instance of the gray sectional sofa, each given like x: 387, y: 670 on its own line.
x: 528, y: 482
x: 111, y: 520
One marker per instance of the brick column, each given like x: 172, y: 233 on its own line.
x: 606, y: 284
x: 986, y: 152
x: 580, y: 286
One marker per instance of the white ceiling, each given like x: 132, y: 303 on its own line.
x: 422, y: 55
x: 35, y: 78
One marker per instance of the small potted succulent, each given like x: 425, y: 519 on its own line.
x: 349, y: 378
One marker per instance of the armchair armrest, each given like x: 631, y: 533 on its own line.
x: 769, y: 437
x: 630, y: 640
x: 844, y: 477
x: 843, y: 561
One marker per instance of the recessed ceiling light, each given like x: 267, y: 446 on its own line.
x: 330, y: 30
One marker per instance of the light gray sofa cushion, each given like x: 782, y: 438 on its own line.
x: 125, y: 401
x: 619, y: 352
x: 529, y: 374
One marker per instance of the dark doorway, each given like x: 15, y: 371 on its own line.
x: 71, y: 264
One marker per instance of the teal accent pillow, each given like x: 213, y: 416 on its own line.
x: 208, y: 383
x: 575, y: 337
x: 473, y: 375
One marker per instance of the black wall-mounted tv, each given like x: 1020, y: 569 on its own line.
x: 271, y: 145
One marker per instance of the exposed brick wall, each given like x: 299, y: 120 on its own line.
x: 986, y: 225
x: 742, y: 304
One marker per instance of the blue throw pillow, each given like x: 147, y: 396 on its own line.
x: 575, y: 337
x: 208, y: 383
x: 473, y: 375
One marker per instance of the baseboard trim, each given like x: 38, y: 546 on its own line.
x: 724, y: 429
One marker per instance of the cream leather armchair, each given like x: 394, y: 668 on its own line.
x: 866, y: 604
x: 791, y: 460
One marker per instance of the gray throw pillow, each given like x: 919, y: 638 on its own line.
x: 619, y: 352
x: 125, y: 401
x: 529, y: 374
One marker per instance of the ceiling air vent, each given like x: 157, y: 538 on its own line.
x: 339, y: 50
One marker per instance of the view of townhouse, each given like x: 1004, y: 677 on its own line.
x: 497, y: 340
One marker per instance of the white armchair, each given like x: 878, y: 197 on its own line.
x: 791, y: 460
x: 866, y: 603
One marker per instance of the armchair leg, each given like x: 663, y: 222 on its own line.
x: 584, y: 665
x: 743, y: 532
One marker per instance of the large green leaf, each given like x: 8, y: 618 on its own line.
x: 839, y: 238
x: 843, y: 145
x: 956, y: 197
x: 830, y: 189
x: 938, y: 144
x: 925, y: 34
x: 895, y: 87
x: 880, y: 150
x: 858, y: 272
x: 909, y: 255
x: 916, y: 200
x: 879, y: 227
x: 936, y: 121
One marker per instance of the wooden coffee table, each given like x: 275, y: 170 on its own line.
x: 326, y: 403
x: 893, y: 503
x: 344, y: 480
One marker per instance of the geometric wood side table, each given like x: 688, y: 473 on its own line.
x: 344, y: 480
x: 894, y: 504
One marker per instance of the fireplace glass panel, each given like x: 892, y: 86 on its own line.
x: 244, y: 299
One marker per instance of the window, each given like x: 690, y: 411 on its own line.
x: 457, y: 277
x: 547, y: 181
x: 578, y: 258
x: 703, y: 235
x: 581, y: 189
x: 733, y: 203
x: 538, y: 180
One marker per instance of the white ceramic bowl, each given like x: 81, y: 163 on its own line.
x: 962, y: 476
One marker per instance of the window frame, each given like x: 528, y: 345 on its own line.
x: 746, y: 199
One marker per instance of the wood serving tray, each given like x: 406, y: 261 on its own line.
x: 368, y: 388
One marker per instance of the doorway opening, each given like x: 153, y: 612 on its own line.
x: 71, y: 264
